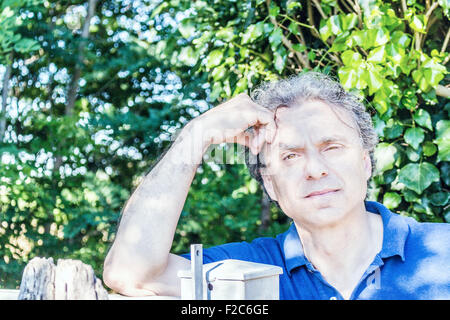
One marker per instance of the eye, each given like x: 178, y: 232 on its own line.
x: 332, y: 148
x: 288, y: 157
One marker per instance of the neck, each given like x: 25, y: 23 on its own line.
x: 343, y: 246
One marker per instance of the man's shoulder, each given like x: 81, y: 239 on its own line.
x: 422, y: 229
x: 428, y: 238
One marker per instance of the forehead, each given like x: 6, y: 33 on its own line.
x: 314, y: 121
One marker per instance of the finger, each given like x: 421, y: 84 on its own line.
x: 267, y: 119
x: 270, y: 132
x: 258, y: 140
x: 243, y: 138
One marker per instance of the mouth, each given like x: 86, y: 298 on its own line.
x: 322, y: 193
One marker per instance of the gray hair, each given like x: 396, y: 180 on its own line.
x: 306, y: 87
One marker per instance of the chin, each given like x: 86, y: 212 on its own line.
x: 318, y: 216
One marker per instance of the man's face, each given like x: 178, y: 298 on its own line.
x: 316, y: 148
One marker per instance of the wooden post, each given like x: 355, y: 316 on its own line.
x: 197, y: 270
x: 68, y: 280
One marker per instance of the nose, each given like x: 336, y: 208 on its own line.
x: 315, y: 167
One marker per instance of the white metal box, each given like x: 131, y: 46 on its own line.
x: 234, y: 280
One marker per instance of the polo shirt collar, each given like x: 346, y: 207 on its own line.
x: 395, y: 232
x: 292, y: 249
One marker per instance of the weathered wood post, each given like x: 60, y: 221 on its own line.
x: 68, y: 280
x: 232, y: 280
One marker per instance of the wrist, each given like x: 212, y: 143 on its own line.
x: 197, y: 133
x: 194, y: 140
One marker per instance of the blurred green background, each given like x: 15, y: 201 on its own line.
x: 93, y: 91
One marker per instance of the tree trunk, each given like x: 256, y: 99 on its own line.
x: 5, y: 90
x: 68, y: 280
x: 74, y: 83
x: 265, y: 212
x: 73, y: 87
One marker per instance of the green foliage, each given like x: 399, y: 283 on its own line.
x: 13, y: 28
x: 149, y: 67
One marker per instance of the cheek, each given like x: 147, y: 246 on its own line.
x: 352, y: 171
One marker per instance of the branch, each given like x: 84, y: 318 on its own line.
x: 431, y: 22
x: 287, y: 43
x: 445, y: 44
x: 430, y: 10
x: 417, y: 41
x: 319, y: 8
x: 404, y: 8
x: 346, y: 6
x: 358, y: 11
x: 420, y: 38
x: 443, y: 91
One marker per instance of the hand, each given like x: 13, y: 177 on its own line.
x: 229, y: 121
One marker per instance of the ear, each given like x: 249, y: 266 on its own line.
x: 269, y: 184
x: 367, y: 164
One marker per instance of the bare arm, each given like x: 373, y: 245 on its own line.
x: 139, y: 262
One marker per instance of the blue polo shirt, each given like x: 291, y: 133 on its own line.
x: 414, y: 262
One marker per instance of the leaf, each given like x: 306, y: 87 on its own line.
x: 433, y: 76
x: 351, y: 77
x: 381, y: 37
x: 393, y: 129
x: 334, y: 23
x: 324, y: 30
x: 214, y: 58
x: 226, y: 34
x: 186, y: 28
x: 429, y: 148
x: 417, y: 23
x: 275, y: 38
x: 439, y: 198
x: 350, y: 58
x: 274, y: 10
x: 188, y: 56
x: 445, y: 173
x: 391, y: 200
x: 348, y: 21
x: 385, y: 156
x: 400, y: 39
x: 414, y: 137
x: 377, y: 55
x: 410, y: 195
x: 412, y: 154
x: 253, y: 32
x: 373, y: 78
x: 26, y: 45
x: 443, y: 140
x: 418, y: 176
x: 445, y: 4
x: 422, y: 117
x: 279, y: 61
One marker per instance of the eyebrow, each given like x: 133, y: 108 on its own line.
x: 324, y: 140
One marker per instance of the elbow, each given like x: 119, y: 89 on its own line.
x: 124, y: 284
x: 124, y: 281
x: 112, y: 281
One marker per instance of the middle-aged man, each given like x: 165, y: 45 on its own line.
x: 313, y: 144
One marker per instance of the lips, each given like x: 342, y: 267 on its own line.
x: 321, y: 192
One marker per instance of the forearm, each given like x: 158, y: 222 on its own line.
x: 150, y: 217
